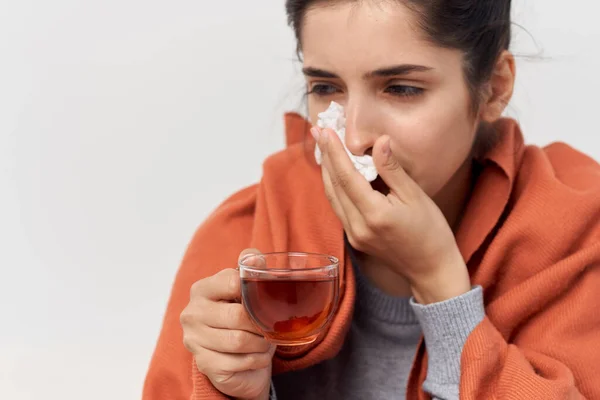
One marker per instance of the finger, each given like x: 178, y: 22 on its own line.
x: 357, y: 191
x: 333, y: 199
x: 223, y: 286
x: 231, y: 341
x: 335, y: 186
x: 248, y: 251
x: 392, y: 173
x: 212, y: 363
x: 251, y: 258
x: 348, y: 208
x: 228, y: 316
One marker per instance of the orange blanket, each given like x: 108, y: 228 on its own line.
x: 530, y: 237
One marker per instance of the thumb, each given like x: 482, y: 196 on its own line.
x: 248, y: 251
x: 250, y: 261
x: 392, y: 172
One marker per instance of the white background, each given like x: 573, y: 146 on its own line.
x: 117, y: 138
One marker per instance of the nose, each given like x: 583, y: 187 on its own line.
x: 361, y: 132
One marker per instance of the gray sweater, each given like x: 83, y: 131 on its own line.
x: 377, y: 355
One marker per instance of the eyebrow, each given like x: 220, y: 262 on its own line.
x: 318, y: 73
x: 396, y: 70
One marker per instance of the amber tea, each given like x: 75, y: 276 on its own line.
x: 291, y: 306
x: 290, y: 311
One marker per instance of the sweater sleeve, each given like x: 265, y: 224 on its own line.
x: 551, y: 352
x: 215, y: 246
x: 446, y: 326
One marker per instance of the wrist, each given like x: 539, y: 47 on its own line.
x: 447, y: 283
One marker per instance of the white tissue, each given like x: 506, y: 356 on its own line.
x: 334, y: 118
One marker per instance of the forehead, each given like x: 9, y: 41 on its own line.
x: 365, y: 34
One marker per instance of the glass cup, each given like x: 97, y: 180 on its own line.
x: 291, y: 297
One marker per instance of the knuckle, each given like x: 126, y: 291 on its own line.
x: 233, y: 283
x: 340, y: 180
x: 235, y: 316
x: 221, y: 376
x: 371, y: 222
x: 194, y: 314
x: 356, y: 244
x: 258, y: 360
x: 238, y: 340
x: 185, y: 318
x: 376, y: 220
x: 361, y: 234
x: 188, y: 343
x: 196, y: 289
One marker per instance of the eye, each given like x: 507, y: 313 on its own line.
x: 323, y: 89
x: 404, y: 91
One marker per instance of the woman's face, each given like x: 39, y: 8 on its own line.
x: 371, y: 58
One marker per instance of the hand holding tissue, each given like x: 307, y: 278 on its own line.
x: 334, y: 119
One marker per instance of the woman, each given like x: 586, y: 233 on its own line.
x: 471, y: 266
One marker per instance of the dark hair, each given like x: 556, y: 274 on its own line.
x: 481, y: 29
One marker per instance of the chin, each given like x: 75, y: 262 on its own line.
x: 380, y: 186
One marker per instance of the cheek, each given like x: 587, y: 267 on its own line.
x: 434, y: 143
x: 312, y: 110
x: 315, y: 106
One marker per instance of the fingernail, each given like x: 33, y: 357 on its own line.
x: 315, y: 133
